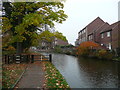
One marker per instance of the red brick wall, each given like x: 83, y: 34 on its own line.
x: 97, y: 36
x: 61, y: 42
x: 97, y: 27
x: 94, y: 25
x: 115, y: 37
x: 106, y: 40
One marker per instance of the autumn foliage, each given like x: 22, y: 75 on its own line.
x: 85, y: 48
x: 10, y: 48
x: 11, y: 73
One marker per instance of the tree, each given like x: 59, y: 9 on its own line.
x: 84, y: 49
x: 49, y: 37
x: 26, y: 17
x: 60, y: 36
x: 6, y: 33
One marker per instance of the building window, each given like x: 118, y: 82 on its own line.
x: 109, y: 46
x: 102, y: 35
x: 91, y: 37
x: 84, y: 31
x: 80, y: 33
x: 88, y: 37
x: 108, y: 34
x: 102, y: 44
x: 84, y: 38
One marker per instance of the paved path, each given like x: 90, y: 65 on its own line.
x: 33, y: 77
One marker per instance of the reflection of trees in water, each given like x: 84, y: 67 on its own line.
x: 100, y: 72
x: 86, y: 72
x: 60, y: 59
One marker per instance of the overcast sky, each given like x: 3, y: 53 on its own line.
x: 82, y: 12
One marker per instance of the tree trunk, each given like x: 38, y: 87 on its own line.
x: 19, y: 48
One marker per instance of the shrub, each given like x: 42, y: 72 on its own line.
x: 86, y: 48
x: 57, y: 50
x: 104, y: 54
x: 68, y: 52
x: 118, y: 51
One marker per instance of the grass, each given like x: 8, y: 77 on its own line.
x: 11, y: 73
x: 53, y: 77
x: 117, y: 59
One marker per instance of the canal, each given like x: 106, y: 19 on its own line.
x: 87, y: 73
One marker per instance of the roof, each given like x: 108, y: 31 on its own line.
x: 102, y: 27
x: 112, y: 26
x: 95, y: 24
x: 97, y: 20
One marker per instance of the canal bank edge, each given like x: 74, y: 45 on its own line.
x: 54, y: 78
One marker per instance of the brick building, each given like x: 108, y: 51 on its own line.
x: 109, y: 36
x: 48, y: 45
x: 98, y: 31
x: 60, y: 42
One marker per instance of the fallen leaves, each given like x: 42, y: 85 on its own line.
x: 11, y: 73
x: 53, y: 77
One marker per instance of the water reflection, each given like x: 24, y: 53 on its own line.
x: 87, y: 73
x: 100, y: 73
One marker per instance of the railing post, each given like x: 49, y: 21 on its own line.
x: 32, y: 61
x: 27, y: 59
x: 50, y: 57
x: 13, y: 59
x: 5, y: 59
x: 8, y: 60
x: 41, y: 57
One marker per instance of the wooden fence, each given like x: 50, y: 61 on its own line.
x: 8, y: 59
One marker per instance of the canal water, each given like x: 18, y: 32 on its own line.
x: 87, y: 73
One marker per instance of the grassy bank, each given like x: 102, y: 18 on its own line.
x: 116, y: 59
x: 11, y: 73
x: 53, y: 77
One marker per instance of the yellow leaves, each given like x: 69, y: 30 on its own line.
x: 33, y: 19
x: 59, y: 35
x: 34, y: 42
x: 53, y: 77
x: 20, y: 29
x: 46, y: 35
x: 26, y: 17
x: 18, y: 38
x: 6, y: 24
x: 11, y: 73
x: 10, y: 48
